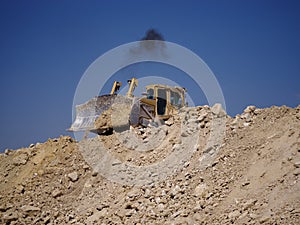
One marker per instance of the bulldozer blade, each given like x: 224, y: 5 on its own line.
x: 95, y: 115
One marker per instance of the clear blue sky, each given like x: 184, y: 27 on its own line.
x: 253, y: 48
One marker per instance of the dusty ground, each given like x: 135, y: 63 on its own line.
x: 251, y: 177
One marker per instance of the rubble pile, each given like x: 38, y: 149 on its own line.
x: 200, y: 167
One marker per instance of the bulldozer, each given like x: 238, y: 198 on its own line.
x: 105, y: 113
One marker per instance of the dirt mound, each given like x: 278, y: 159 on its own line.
x: 243, y: 170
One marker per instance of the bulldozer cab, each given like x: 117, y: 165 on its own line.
x: 166, y: 99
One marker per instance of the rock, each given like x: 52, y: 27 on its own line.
x: 7, y: 151
x: 218, y: 111
x: 67, y: 139
x: 73, y: 176
x: 234, y: 214
x: 29, y: 208
x: 19, y: 189
x: 8, y: 218
x: 69, y: 217
x: 175, y: 191
x: 243, y: 215
x: 201, y: 190
x: 147, y: 193
x: 47, y: 219
x: 97, y: 215
x: 246, y: 124
x: 160, y: 207
x: 170, y: 121
x: 296, y: 172
x: 250, y: 109
x: 245, y: 183
x: 202, y: 117
x: 133, y: 194
x: 246, y: 117
x: 85, y: 167
x: 21, y: 159
x: 40, y: 172
x: 209, y: 150
x: 249, y: 204
x: 94, y: 173
x: 257, y: 111
x: 56, y: 193
x: 297, y: 164
x: 184, y: 134
x: 157, y: 200
x: 264, y: 219
x: 130, y: 212
x: 31, y: 145
x: 235, y: 123
x: 176, y: 147
x: 3, y: 208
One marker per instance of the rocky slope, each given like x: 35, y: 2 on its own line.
x: 202, y: 167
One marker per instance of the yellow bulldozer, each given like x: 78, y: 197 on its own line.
x: 109, y: 112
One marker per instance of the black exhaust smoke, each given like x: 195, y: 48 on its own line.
x: 152, y: 34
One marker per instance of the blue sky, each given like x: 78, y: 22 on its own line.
x: 253, y: 48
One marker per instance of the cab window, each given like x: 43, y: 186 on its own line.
x: 175, y: 98
x: 150, y: 93
x: 161, y: 101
